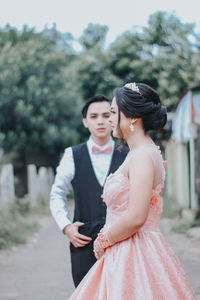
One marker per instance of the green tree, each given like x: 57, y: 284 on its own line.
x: 174, y: 47
x: 44, y: 82
x: 165, y: 54
x: 38, y: 112
x: 92, y: 72
x: 93, y: 35
x: 125, y: 57
x: 11, y: 34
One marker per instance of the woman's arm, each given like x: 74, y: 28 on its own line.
x: 141, y: 175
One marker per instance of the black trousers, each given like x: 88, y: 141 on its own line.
x: 82, y: 259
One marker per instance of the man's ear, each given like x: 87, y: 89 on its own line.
x: 85, y: 122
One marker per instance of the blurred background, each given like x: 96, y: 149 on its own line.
x: 54, y: 55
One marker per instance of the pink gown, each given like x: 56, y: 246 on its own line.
x: 142, y: 267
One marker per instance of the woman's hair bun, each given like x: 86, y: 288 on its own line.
x: 139, y: 100
x: 156, y: 120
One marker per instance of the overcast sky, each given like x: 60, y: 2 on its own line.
x: 73, y: 16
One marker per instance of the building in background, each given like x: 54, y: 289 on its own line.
x: 183, y: 152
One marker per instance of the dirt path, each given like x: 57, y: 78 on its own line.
x: 40, y: 270
x: 188, y: 252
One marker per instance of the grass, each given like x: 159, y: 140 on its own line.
x: 19, y: 220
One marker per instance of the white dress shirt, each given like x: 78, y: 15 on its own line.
x: 65, y: 173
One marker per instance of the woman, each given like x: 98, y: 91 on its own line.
x: 135, y: 262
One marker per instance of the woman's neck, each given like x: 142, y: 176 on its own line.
x: 138, y: 139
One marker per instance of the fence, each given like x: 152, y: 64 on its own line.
x: 39, y: 184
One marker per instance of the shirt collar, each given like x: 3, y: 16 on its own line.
x: 91, y: 143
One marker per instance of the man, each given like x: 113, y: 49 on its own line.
x: 86, y: 167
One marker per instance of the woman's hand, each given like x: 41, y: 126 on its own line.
x: 102, y: 242
x: 98, y: 249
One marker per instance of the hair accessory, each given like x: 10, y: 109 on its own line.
x: 133, y: 87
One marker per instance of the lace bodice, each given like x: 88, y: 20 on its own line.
x: 116, y: 190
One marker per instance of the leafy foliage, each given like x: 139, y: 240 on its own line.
x: 93, y: 35
x: 44, y: 81
x: 38, y: 111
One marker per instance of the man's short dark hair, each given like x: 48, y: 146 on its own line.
x: 97, y: 98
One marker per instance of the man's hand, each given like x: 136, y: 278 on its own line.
x: 77, y: 239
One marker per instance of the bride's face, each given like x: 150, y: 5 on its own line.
x: 119, y: 130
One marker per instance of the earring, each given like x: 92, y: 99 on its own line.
x: 132, y: 127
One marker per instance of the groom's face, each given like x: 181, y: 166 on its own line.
x: 97, y: 120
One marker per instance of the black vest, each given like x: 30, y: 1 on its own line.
x: 89, y: 207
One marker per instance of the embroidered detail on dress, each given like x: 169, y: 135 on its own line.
x: 111, y: 174
x: 102, y: 196
x: 115, y: 183
x: 154, y: 200
x: 164, y: 163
